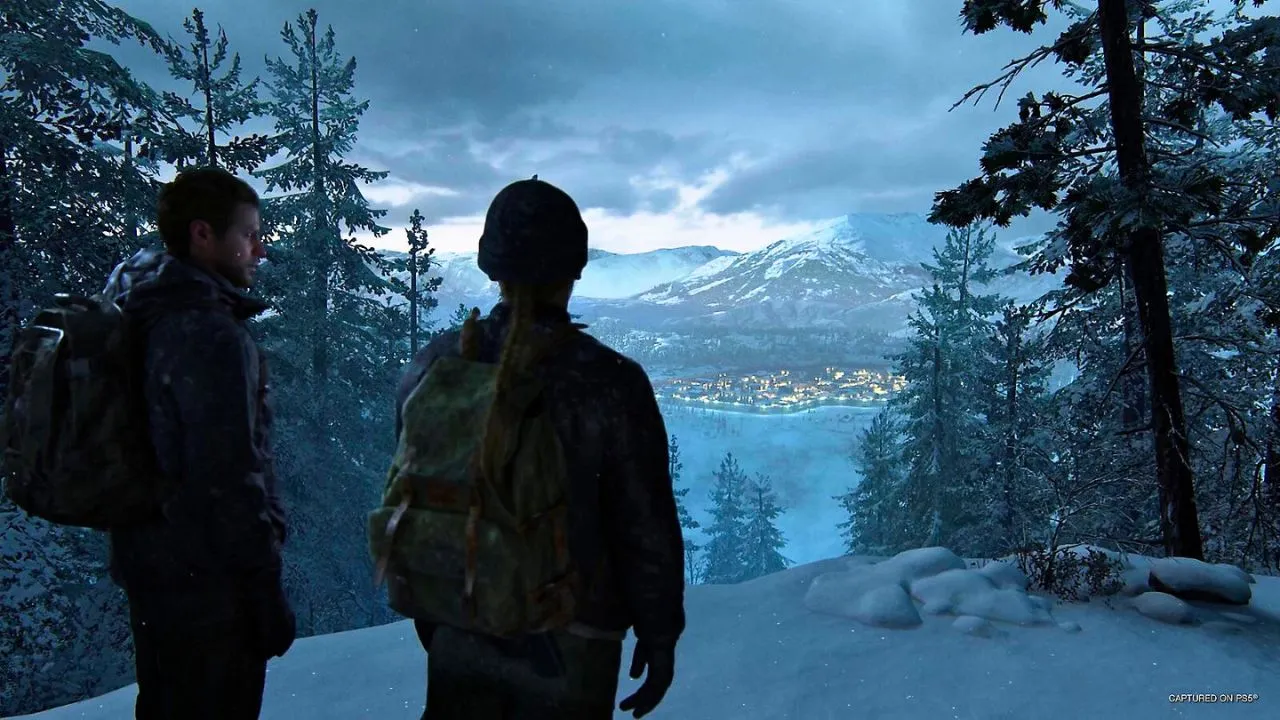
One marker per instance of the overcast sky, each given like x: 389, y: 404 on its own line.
x: 672, y: 122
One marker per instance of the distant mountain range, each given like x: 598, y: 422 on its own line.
x: 856, y: 273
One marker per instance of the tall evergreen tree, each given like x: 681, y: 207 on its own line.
x: 66, y: 200
x: 1015, y: 363
x: 335, y: 344
x: 316, y: 119
x: 875, y: 506
x: 726, y: 536
x: 422, y: 287
x: 225, y: 103
x: 691, y: 547
x: 1058, y: 154
x: 939, y: 404
x: 763, y: 541
x: 59, y: 99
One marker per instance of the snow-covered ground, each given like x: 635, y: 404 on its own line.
x: 805, y: 454
x: 934, y: 641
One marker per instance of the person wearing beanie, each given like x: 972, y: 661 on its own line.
x: 624, y: 539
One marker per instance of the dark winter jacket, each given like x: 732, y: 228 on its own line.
x: 210, y: 423
x: 624, y: 532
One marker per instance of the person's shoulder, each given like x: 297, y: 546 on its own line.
x: 199, y: 325
x: 444, y: 343
x: 608, y: 363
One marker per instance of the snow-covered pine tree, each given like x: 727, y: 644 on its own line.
x: 1058, y: 156
x: 1014, y: 360
x: 877, y: 521
x: 687, y: 523
x: 939, y: 407
x: 61, y: 98
x: 66, y: 200
x: 225, y: 102
x: 763, y: 541
x: 316, y: 119
x: 422, y: 286
x: 335, y: 346
x: 132, y: 206
x: 726, y: 535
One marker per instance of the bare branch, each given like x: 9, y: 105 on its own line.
x: 1181, y: 128
x: 1016, y: 67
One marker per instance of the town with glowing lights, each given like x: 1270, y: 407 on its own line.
x: 782, y: 390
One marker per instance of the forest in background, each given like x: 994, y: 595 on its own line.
x: 1162, y: 169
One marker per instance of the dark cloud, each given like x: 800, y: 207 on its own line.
x: 595, y: 94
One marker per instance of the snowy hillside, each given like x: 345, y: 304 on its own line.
x: 607, y: 275
x: 814, y: 280
x: 921, y: 636
x: 856, y: 272
x: 859, y: 271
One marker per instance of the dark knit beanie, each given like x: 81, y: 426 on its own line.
x: 534, y: 235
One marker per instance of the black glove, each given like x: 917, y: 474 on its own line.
x: 660, y: 661
x: 275, y: 625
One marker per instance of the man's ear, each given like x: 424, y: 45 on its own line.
x: 201, y: 234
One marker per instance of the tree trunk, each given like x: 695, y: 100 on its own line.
x: 1271, y: 471
x: 320, y: 280
x: 130, y: 219
x: 1132, y: 392
x: 1013, y: 358
x: 1179, y: 524
x: 413, y: 302
x: 9, y: 300
x: 206, y: 76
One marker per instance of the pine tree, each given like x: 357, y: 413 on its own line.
x: 726, y: 537
x: 421, y: 293
x: 225, y: 103
x: 66, y: 202
x: 460, y: 315
x: 316, y: 120
x: 763, y: 541
x: 335, y: 344
x: 1058, y: 154
x: 939, y: 405
x: 875, y: 506
x: 691, y: 547
x: 1015, y: 362
x: 61, y: 100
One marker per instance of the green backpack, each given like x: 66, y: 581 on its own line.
x: 484, y: 554
x: 75, y: 441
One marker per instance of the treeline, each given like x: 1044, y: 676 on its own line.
x: 1162, y: 170
x: 688, y: 345
x: 83, y: 146
x: 741, y: 540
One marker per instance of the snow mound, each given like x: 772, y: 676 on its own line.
x: 882, y: 594
x: 976, y: 626
x: 910, y: 565
x: 1005, y: 575
x: 1197, y: 580
x: 1165, y: 608
x: 863, y: 595
x: 1005, y: 605
x: 942, y: 592
x: 887, y: 606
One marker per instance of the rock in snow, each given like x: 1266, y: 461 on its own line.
x: 882, y: 594
x: 1165, y: 608
x: 1197, y: 580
